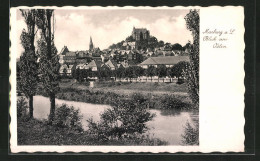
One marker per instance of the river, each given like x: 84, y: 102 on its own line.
x: 167, y: 125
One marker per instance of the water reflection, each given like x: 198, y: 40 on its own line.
x: 167, y: 125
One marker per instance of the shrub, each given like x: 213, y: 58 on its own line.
x: 68, y: 117
x: 22, y: 108
x: 191, y: 134
x: 137, y: 97
x: 168, y: 102
x: 124, y: 119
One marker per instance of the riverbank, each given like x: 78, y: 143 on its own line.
x: 127, y: 88
x: 155, y: 95
x: 36, y: 132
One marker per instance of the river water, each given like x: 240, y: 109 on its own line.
x: 167, y: 125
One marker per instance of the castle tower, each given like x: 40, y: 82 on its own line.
x: 91, y: 46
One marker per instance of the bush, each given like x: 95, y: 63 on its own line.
x: 68, y: 117
x: 168, y: 102
x: 191, y: 134
x: 126, y: 119
x: 22, y: 108
x: 137, y: 97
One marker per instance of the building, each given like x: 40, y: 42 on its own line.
x: 140, y: 34
x: 111, y: 65
x: 66, y: 68
x: 168, y: 61
x: 94, y: 65
x: 91, y: 45
x: 70, y: 57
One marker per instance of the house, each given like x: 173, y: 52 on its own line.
x: 70, y: 68
x: 64, y: 50
x: 63, y: 68
x: 111, y: 64
x: 81, y: 66
x: 124, y: 64
x: 94, y: 65
x: 70, y: 57
x: 168, y: 61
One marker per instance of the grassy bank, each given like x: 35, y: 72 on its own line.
x: 67, y: 129
x: 35, y: 132
x: 74, y: 91
x: 127, y: 88
x: 163, y: 101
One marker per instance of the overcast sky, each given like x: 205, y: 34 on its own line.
x: 108, y: 26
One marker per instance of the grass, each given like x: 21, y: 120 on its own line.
x: 100, y: 95
x: 123, y: 88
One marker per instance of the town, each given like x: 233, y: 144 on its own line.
x: 136, y: 57
x: 141, y: 90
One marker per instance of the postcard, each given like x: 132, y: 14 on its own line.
x: 127, y: 79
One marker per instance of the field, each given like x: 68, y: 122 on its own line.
x: 127, y: 88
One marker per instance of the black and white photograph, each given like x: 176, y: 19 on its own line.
x: 107, y: 77
x: 127, y: 79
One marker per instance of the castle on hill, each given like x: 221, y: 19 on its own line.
x: 140, y: 34
x: 139, y: 40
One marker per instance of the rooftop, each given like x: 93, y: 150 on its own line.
x: 167, y: 60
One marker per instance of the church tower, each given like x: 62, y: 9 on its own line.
x: 91, y: 46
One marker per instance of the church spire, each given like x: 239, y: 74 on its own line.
x: 91, y: 46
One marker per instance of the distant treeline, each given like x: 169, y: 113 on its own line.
x: 130, y: 72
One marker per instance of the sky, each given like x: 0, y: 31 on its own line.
x: 74, y: 27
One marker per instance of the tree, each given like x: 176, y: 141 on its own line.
x: 139, y: 71
x: 130, y: 73
x: 120, y: 72
x: 151, y: 71
x: 187, y: 46
x: 76, y: 74
x: 49, y: 60
x: 162, y: 71
x: 28, y: 61
x: 177, y: 47
x: 192, y: 73
x: 81, y: 76
x: 125, y: 119
x: 105, y: 72
x: 179, y: 69
x: 129, y: 39
x: 160, y: 43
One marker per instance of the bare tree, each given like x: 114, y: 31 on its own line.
x: 28, y: 60
x: 49, y: 60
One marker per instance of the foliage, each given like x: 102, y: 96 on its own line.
x: 171, y: 102
x: 191, y: 134
x: 179, y: 69
x: 22, y: 108
x: 151, y: 71
x: 36, y: 132
x: 161, y: 43
x: 162, y: 71
x: 192, y: 74
x: 68, y: 117
x: 49, y: 60
x: 105, y: 72
x: 129, y: 39
x: 177, y: 47
x: 28, y: 61
x: 125, y: 119
x: 120, y: 72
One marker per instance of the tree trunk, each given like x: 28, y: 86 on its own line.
x: 52, y: 109
x: 31, y: 107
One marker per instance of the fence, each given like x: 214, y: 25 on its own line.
x: 148, y: 79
